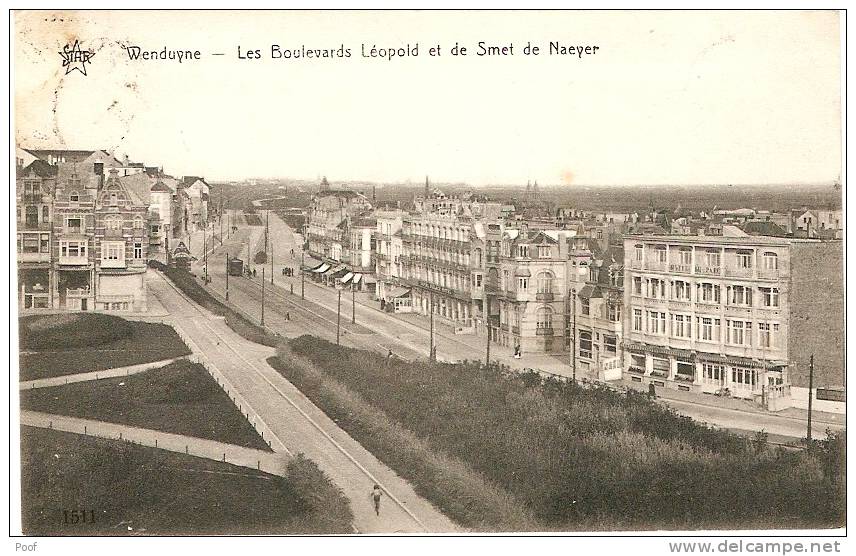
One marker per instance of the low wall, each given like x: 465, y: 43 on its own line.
x: 799, y: 399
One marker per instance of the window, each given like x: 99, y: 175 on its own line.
x: 739, y: 332
x: 637, y: 320
x: 660, y: 254
x: 681, y: 325
x: 708, y: 329
x: 112, y: 251
x: 545, y: 282
x: 637, y: 285
x: 744, y: 259
x: 138, y: 223
x: 73, y: 248
x: 523, y: 251
x: 46, y: 214
x: 712, y: 259
x: 741, y: 295
x: 545, y: 317
x: 138, y: 250
x: 543, y: 251
x: 478, y: 278
x: 31, y: 243
x: 709, y: 293
x: 637, y: 360
x: 767, y: 334
x: 686, y: 257
x: 685, y: 368
x: 585, y: 344
x: 745, y: 378
x: 770, y: 297
x: 639, y: 253
x: 610, y: 345
x: 661, y: 367
x: 114, y: 200
x: 113, y: 223
x: 585, y: 307
x: 771, y: 261
x: 74, y: 196
x: 681, y: 290
x: 712, y: 373
x: 505, y: 280
x: 74, y: 224
x: 45, y: 243
x: 613, y: 312
x: 656, y: 322
x: 522, y: 283
x: 656, y: 288
x: 31, y: 215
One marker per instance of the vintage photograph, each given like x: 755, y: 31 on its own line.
x: 368, y: 272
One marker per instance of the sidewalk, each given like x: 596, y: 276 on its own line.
x: 210, y: 449
x: 94, y: 375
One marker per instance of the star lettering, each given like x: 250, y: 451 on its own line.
x: 73, y: 58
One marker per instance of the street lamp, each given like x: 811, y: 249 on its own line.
x: 338, y: 313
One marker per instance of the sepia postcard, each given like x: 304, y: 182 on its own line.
x: 332, y: 273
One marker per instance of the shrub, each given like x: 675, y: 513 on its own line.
x: 590, y: 457
x: 260, y: 258
x: 56, y: 332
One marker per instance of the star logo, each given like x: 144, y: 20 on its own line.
x: 73, y: 58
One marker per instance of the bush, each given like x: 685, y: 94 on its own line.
x: 589, y: 458
x: 260, y: 258
x: 64, y: 331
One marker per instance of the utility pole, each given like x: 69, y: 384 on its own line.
x: 302, y: 276
x: 353, y: 303
x: 263, y: 296
x: 810, y: 395
x: 271, y: 258
x: 267, y: 228
x: 431, y: 327
x: 220, y: 217
x: 227, y: 276
x: 205, y: 253
x: 338, y: 314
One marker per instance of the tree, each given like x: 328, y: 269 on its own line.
x: 260, y: 258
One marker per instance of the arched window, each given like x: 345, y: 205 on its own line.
x: 477, y: 253
x: 114, y: 199
x: 138, y: 222
x: 545, y: 317
x: 545, y: 282
x: 46, y: 214
x: 771, y: 261
x: 113, y: 223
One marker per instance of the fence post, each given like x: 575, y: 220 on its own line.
x: 186, y: 451
x: 156, y: 442
x: 84, y: 430
x: 120, y: 435
x: 224, y: 457
x: 259, y: 465
x: 50, y: 425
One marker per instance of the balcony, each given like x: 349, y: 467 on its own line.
x: 768, y: 274
x: 544, y: 331
x: 113, y: 263
x: 544, y: 297
x: 72, y: 230
x: 739, y: 272
x: 34, y: 257
x: 636, y: 264
x: 708, y: 270
x: 656, y: 265
x: 74, y: 260
x: 115, y: 233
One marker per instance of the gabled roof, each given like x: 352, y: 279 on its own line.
x: 187, y: 181
x: 40, y: 168
x: 764, y: 228
x: 160, y: 186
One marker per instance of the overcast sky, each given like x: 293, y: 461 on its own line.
x: 669, y: 97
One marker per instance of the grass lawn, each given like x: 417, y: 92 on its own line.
x: 180, y: 398
x: 58, y: 345
x: 572, y: 458
x: 126, y: 489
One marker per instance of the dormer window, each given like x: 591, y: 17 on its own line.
x: 74, y: 197
x: 114, y: 200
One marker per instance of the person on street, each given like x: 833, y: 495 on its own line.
x: 376, y: 494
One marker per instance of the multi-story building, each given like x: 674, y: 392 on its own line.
x: 198, y: 192
x: 389, y: 248
x: 35, y: 185
x: 532, y: 293
x: 736, y: 314
x: 596, y: 312
x: 438, y: 266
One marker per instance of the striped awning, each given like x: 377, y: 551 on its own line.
x: 346, y: 278
x: 323, y: 268
x: 398, y: 292
x: 357, y: 277
x: 335, y: 269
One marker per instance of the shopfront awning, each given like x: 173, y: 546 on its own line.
x: 346, y: 278
x: 335, y: 269
x: 323, y: 268
x: 398, y: 292
x: 357, y: 277
x: 310, y: 264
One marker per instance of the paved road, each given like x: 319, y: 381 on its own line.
x: 200, y: 447
x: 298, y: 425
x: 94, y: 375
x: 408, y: 337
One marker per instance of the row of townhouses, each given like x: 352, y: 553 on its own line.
x: 718, y: 307
x: 87, y: 224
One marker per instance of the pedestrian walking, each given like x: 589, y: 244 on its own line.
x: 376, y: 494
x: 287, y: 315
x: 389, y: 357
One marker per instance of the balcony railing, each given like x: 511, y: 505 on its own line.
x: 34, y: 257
x: 683, y: 268
x: 113, y: 232
x: 768, y: 274
x: 544, y: 331
x: 739, y: 272
x: 74, y: 259
x: 113, y: 263
x: 72, y: 230
x: 656, y: 265
x: 545, y: 297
